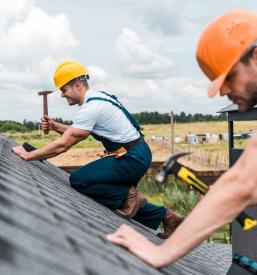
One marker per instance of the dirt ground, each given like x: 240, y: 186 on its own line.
x: 78, y: 157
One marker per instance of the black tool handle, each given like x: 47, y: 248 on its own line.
x: 28, y: 147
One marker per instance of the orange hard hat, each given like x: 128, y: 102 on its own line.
x: 222, y: 44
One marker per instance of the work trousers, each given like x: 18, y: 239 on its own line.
x: 108, y: 180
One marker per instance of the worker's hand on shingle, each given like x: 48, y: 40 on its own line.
x: 20, y: 151
x: 47, y: 123
x: 139, y: 245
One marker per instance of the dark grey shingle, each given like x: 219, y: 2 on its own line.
x: 46, y: 227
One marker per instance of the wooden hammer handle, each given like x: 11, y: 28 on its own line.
x: 45, y: 106
x: 45, y: 111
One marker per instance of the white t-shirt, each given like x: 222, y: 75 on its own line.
x: 104, y: 119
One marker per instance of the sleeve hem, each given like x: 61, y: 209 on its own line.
x: 81, y: 127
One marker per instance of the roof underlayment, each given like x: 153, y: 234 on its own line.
x: 46, y: 227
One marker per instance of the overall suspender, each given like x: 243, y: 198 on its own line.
x: 121, y: 107
x: 111, y: 145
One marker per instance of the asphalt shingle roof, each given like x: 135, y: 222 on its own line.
x: 46, y: 227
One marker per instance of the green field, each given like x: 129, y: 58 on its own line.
x: 181, y: 129
x: 38, y: 139
x: 208, y: 156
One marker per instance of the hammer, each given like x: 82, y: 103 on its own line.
x: 45, y: 106
x: 172, y: 166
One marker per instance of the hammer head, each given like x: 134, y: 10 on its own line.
x: 168, y: 167
x: 45, y: 92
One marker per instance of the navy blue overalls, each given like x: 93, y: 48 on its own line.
x: 108, y: 180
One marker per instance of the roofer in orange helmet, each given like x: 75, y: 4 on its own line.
x: 227, y: 54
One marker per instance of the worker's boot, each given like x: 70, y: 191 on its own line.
x: 133, y: 203
x: 170, y: 221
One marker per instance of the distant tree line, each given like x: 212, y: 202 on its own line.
x: 25, y: 126
x: 157, y: 118
x: 142, y: 118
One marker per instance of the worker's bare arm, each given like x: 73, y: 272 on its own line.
x: 246, y: 167
x: 60, y: 127
x: 70, y: 137
x: 232, y: 193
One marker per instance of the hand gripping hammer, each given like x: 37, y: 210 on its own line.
x: 45, y: 106
x: 172, y: 166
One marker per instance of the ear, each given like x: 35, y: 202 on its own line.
x: 77, y: 85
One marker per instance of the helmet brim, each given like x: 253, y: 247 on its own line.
x: 216, y: 85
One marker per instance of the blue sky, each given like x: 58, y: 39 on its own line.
x: 143, y: 51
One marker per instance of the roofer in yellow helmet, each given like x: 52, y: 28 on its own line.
x: 111, y: 180
x: 227, y: 54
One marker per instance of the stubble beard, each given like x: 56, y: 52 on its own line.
x: 251, y: 97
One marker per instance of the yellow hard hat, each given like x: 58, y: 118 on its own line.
x: 223, y: 43
x: 67, y: 71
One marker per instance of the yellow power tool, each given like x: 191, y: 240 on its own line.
x: 172, y: 166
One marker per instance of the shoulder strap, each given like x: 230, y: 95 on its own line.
x: 120, y: 106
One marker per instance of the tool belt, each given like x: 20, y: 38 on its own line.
x: 124, y: 149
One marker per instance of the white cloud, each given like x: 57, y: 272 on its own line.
x: 16, y: 10
x: 30, y: 37
x: 180, y: 17
x: 33, y: 75
x: 192, y: 90
x: 163, y: 95
x: 153, y: 87
x: 37, y: 35
x: 163, y: 16
x: 137, y: 59
x: 97, y: 75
